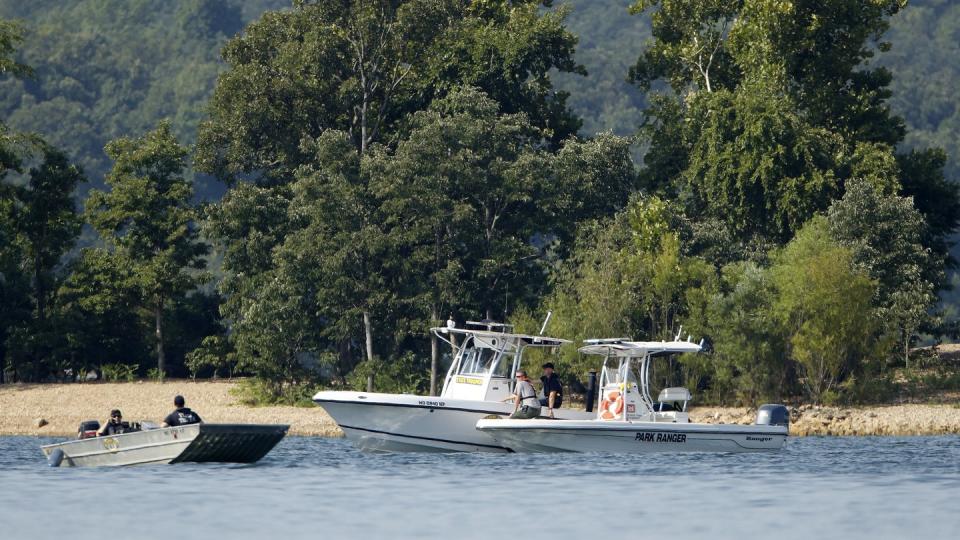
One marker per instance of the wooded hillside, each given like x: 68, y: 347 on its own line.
x: 297, y: 191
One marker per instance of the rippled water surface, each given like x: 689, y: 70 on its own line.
x: 324, y: 488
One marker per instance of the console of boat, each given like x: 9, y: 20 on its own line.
x: 628, y: 420
x: 480, y: 378
x: 222, y: 443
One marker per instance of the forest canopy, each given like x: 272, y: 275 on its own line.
x: 298, y: 190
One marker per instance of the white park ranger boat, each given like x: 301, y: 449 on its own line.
x: 629, y: 421
x: 480, y: 378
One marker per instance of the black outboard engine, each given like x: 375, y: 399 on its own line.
x: 88, y: 429
x: 773, y: 415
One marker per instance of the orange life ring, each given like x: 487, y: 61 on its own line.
x: 612, y: 405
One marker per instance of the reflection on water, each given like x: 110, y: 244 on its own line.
x: 323, y: 488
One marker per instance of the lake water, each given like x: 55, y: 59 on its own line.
x: 323, y: 488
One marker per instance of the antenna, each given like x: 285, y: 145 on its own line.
x: 545, y: 321
x: 679, y: 333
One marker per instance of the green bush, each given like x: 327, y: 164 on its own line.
x: 216, y: 354
x: 256, y: 392
x: 120, y: 372
x: 868, y: 389
x: 403, y: 375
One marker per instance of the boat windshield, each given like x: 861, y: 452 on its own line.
x: 480, y: 360
x: 622, y: 373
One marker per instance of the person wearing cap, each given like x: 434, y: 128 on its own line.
x: 182, y: 416
x: 114, y: 426
x: 525, y: 402
x: 552, y: 389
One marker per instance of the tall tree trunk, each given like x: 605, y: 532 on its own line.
x: 434, y: 357
x: 368, y: 331
x: 161, y: 357
x: 41, y: 316
x: 906, y: 350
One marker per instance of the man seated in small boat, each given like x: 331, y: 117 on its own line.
x: 115, y: 425
x: 525, y: 402
x: 552, y: 389
x: 182, y: 416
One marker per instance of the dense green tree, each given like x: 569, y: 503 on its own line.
x: 47, y: 226
x: 148, y: 220
x: 340, y: 253
x: 11, y: 36
x: 469, y: 188
x: 885, y: 233
x: 38, y: 224
x: 756, y: 163
x: 627, y: 276
x: 361, y: 67
x: 749, y: 358
x: 14, y: 282
x: 690, y: 44
x: 775, y: 108
x: 97, y: 314
x: 824, y: 301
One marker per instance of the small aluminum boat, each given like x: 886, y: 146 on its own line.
x: 227, y: 443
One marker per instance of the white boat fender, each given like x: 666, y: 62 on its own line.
x: 55, y: 458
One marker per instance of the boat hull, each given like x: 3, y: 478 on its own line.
x: 407, y: 423
x: 631, y: 437
x: 229, y: 443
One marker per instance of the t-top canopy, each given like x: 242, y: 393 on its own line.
x: 636, y: 349
x: 524, y: 339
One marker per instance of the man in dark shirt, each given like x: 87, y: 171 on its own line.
x: 552, y: 389
x: 114, y: 426
x: 182, y: 416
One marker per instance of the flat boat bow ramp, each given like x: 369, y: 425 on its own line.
x: 232, y: 443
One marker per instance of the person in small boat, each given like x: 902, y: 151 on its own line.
x: 552, y: 389
x: 115, y: 425
x: 182, y: 416
x: 525, y: 402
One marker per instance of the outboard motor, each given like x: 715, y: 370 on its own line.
x: 88, y: 429
x: 773, y: 415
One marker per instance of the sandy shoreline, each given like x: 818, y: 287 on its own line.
x: 64, y: 406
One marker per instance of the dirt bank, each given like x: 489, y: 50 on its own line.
x: 64, y: 406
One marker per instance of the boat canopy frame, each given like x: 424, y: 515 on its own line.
x: 504, y: 343
x: 624, y: 350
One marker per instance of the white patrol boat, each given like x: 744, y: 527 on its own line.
x: 628, y: 420
x: 477, y: 384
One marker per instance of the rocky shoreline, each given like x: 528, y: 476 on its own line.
x: 891, y: 420
x: 57, y: 409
